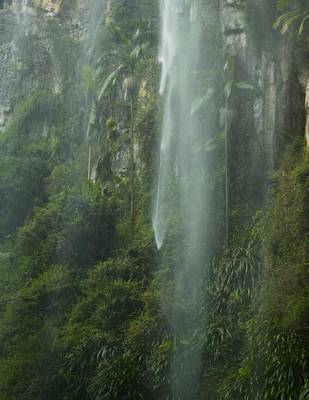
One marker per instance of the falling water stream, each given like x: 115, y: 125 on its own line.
x: 25, y: 17
x: 182, y: 194
x: 180, y: 161
x: 96, y: 13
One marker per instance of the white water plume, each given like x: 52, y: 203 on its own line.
x: 96, y: 14
x: 25, y: 16
x: 182, y: 197
x: 179, y: 158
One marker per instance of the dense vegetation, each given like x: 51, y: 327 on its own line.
x: 83, y: 289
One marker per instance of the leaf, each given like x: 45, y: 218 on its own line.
x: 108, y: 80
x: 214, y: 143
x: 135, y: 53
x: 197, y: 104
x: 302, y: 25
x: 228, y: 89
x: 122, y: 35
x: 92, y: 118
x: 288, y: 23
x: 283, y: 18
x: 136, y: 34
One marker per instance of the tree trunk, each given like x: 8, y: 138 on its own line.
x: 89, y: 161
x: 132, y: 167
x: 226, y: 175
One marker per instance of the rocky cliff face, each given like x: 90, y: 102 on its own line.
x: 31, y: 57
x: 28, y: 52
x: 273, y: 65
x: 51, y: 6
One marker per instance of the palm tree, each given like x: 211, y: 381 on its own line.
x: 125, y: 58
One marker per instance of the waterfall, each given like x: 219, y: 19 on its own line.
x: 25, y: 16
x: 182, y: 202
x: 96, y: 13
x: 180, y: 161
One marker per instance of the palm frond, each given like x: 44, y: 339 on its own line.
x: 108, y: 80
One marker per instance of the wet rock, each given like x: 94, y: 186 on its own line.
x: 51, y: 6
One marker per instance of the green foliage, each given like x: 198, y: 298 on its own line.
x: 85, y: 311
x: 275, y: 365
x: 295, y: 19
x: 24, y: 161
x: 274, y: 360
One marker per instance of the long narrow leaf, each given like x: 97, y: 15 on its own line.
x: 302, y: 25
x: 109, y: 80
